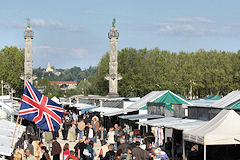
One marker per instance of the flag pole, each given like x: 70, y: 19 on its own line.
x: 15, y: 131
x: 19, y: 125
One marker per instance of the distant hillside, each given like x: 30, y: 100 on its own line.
x: 72, y: 74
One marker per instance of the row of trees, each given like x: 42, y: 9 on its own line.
x: 143, y: 70
x: 207, y: 72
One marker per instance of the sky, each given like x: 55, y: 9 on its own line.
x: 74, y: 33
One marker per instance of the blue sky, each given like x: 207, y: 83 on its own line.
x: 74, y: 33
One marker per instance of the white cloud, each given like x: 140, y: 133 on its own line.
x: 180, y: 19
x: 183, y: 29
x: 59, y: 56
x: 41, y: 23
x: 186, y: 27
x: 189, y: 20
x: 37, y: 22
x: 59, y: 51
x: 42, y: 47
x: 204, y: 20
x: 171, y: 29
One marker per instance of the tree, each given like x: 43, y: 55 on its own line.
x: 208, y: 72
x: 12, y: 67
x: 49, y: 90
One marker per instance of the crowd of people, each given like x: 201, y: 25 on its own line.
x: 86, y: 130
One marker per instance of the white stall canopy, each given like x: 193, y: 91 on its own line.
x: 221, y: 130
x: 6, y: 136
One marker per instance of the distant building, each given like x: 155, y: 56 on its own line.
x: 49, y: 69
x: 65, y: 85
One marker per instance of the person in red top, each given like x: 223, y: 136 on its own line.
x: 71, y: 156
x: 66, y: 151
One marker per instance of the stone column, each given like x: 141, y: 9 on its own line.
x: 113, y: 75
x: 28, y: 63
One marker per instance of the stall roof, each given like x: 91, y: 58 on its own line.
x: 202, y: 102
x: 140, y: 116
x: 213, y: 97
x: 158, y: 97
x: 187, y: 126
x: 155, y: 122
x: 147, y: 98
x: 107, y: 111
x: 234, y: 105
x: 113, y: 103
x: 221, y: 130
x: 83, y: 106
x: 227, y: 100
x: 176, y: 123
x: 6, y: 136
x: 169, y: 98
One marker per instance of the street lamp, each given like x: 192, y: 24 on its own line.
x: 2, y: 89
x: 12, y: 92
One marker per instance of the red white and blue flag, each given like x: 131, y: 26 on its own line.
x: 40, y: 109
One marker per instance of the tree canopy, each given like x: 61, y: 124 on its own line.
x: 12, y: 67
x: 208, y: 72
x: 143, y: 70
x: 72, y: 74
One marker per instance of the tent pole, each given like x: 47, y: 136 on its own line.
x: 14, y: 132
x: 172, y: 145
x: 184, y: 154
x: 205, y: 151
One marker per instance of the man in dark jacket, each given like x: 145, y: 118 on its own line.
x: 116, y: 136
x: 133, y: 144
x: 64, y: 129
x: 30, y: 146
x: 137, y: 152
x: 123, y: 146
x: 102, y: 135
x: 56, y: 149
x: 79, y: 148
x: 110, y: 155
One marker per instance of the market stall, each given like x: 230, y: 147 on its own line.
x: 221, y: 130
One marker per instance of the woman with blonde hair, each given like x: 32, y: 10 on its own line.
x: 66, y: 151
x: 71, y: 132
x: 110, y: 136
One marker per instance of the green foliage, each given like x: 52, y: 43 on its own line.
x: 72, y: 74
x: 49, y: 90
x: 208, y: 72
x: 143, y: 70
x: 11, y: 67
x: 85, y: 77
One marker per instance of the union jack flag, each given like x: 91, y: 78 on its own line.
x: 40, y: 109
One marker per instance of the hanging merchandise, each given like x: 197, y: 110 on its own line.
x: 161, y: 136
x: 155, y: 133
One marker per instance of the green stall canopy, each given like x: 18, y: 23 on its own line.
x: 168, y: 98
x: 212, y: 97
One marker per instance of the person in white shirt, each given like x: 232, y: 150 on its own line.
x: 110, y: 136
x: 75, y: 117
x: 90, y: 133
x: 103, y: 150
